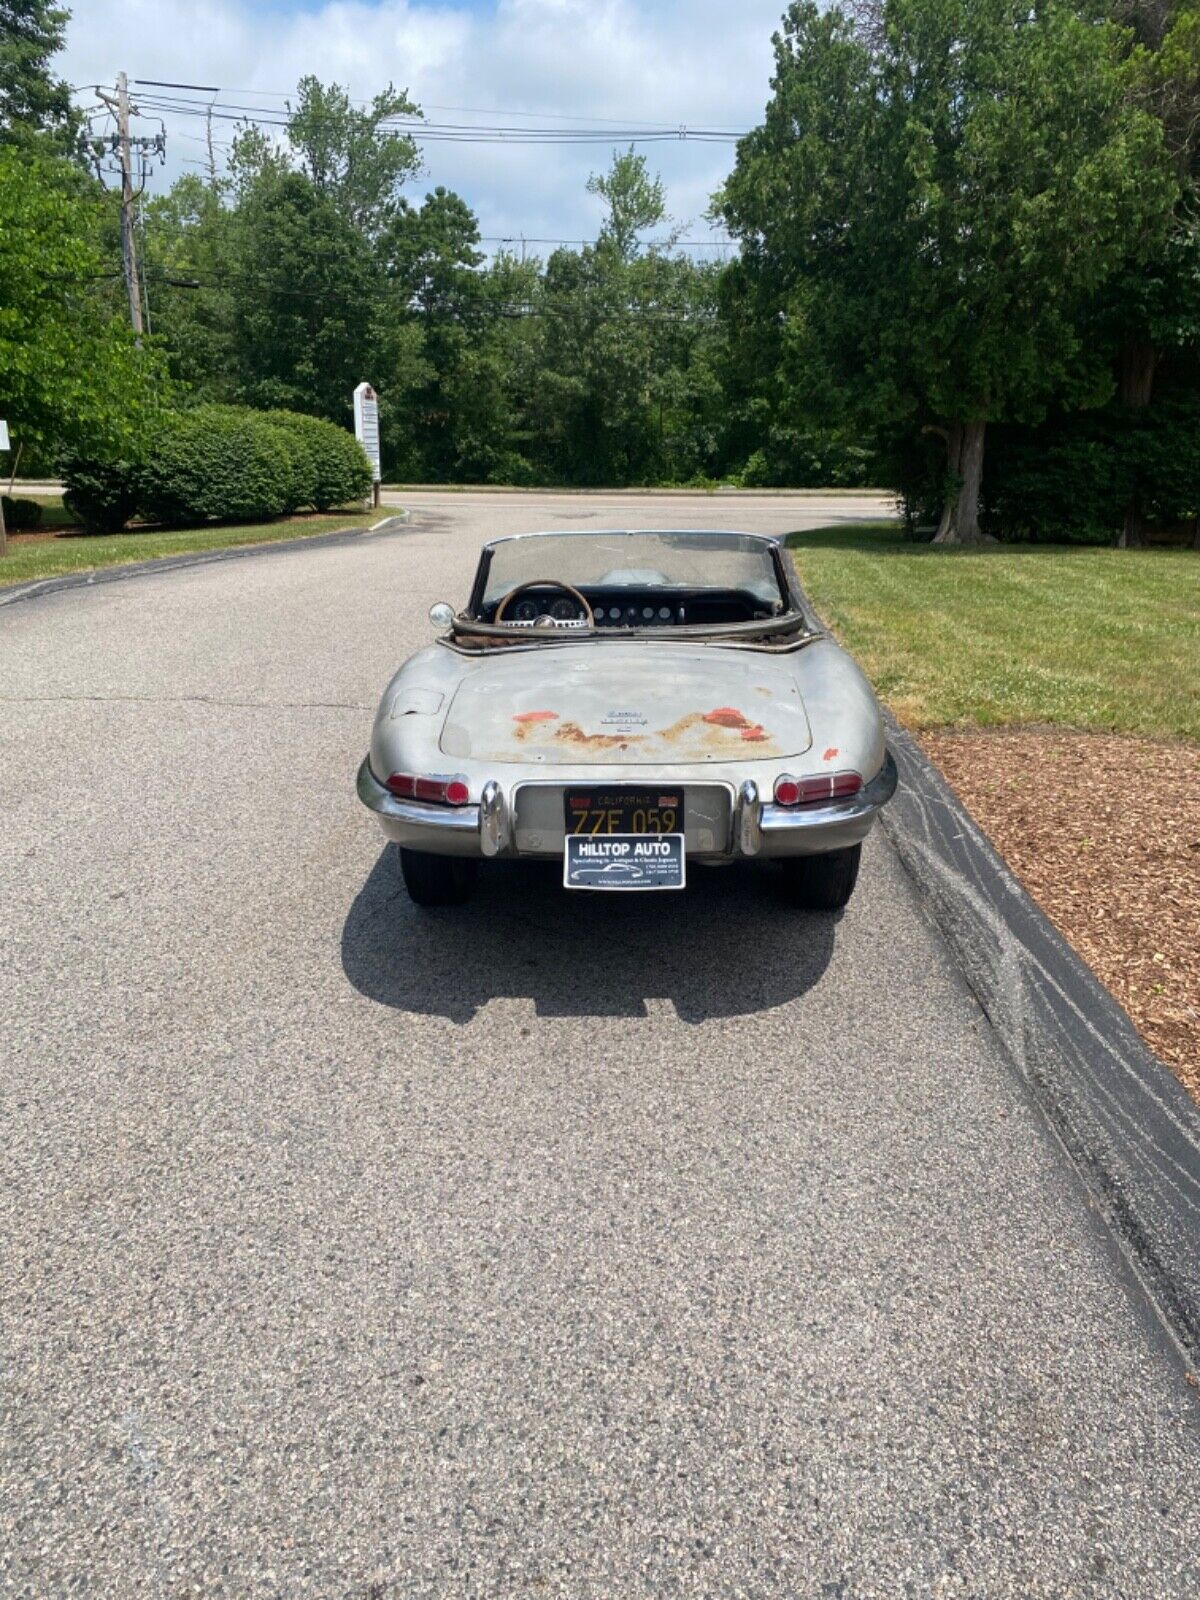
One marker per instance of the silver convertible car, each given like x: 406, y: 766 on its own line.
x: 629, y: 703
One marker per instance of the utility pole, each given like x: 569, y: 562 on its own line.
x: 128, y: 242
x: 122, y: 145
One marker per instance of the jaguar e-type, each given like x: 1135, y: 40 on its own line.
x: 629, y: 703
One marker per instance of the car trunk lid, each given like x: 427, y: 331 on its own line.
x: 649, y: 705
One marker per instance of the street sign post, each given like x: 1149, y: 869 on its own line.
x: 366, y: 429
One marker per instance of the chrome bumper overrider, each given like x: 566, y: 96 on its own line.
x: 759, y: 828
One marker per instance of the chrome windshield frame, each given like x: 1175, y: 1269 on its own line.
x: 797, y: 612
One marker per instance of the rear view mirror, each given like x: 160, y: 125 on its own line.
x: 441, y: 614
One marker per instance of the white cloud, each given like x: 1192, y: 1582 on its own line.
x: 703, y: 63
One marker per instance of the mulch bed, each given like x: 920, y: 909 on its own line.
x: 41, y: 535
x: 1104, y: 832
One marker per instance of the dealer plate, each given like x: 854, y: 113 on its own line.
x: 624, y: 861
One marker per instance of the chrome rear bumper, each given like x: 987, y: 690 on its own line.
x: 759, y: 828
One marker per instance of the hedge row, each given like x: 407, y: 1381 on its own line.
x: 224, y: 464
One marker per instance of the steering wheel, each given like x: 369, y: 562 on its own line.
x: 547, y: 583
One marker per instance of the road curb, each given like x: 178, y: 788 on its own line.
x: 1123, y: 1119
x: 197, y: 558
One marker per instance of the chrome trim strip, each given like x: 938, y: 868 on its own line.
x: 376, y: 797
x: 783, y: 819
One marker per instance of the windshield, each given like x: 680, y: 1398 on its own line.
x: 593, y: 561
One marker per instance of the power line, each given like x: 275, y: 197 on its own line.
x: 198, y: 279
x: 482, y: 111
x: 452, y: 132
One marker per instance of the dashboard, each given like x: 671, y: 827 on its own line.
x: 633, y: 608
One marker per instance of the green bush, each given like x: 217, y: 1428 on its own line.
x: 336, y: 470
x: 225, y: 464
x: 1057, y: 483
x: 1073, y: 477
x: 102, y: 494
x: 217, y: 463
x: 806, y: 458
x: 20, y: 514
x: 301, y: 455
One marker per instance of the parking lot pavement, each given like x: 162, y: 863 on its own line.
x: 547, y: 1247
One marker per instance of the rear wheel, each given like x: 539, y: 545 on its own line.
x: 437, y: 880
x: 824, y: 882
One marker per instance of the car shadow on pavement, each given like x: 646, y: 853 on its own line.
x: 728, y: 945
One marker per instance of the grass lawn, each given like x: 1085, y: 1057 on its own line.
x: 31, y: 558
x: 1078, y: 637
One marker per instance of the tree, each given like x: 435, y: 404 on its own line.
x: 433, y: 269
x: 635, y: 201
x: 354, y: 157
x: 1154, y: 306
x: 33, y: 101
x: 189, y: 258
x: 70, y: 374
x: 304, y: 299
x: 932, y: 206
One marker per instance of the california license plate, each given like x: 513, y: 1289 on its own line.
x: 599, y: 812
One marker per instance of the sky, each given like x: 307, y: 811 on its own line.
x: 699, y: 63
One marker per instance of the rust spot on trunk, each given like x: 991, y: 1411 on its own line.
x: 727, y: 717
x: 831, y: 753
x: 536, y: 716
x: 677, y: 730
x: 572, y: 733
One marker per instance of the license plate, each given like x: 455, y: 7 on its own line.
x: 598, y: 812
x: 624, y: 861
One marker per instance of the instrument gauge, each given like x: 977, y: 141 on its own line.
x: 564, y: 610
x: 525, y: 611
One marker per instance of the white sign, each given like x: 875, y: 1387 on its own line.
x: 4, y: 444
x: 366, y: 425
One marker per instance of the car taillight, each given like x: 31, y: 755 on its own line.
x: 442, y: 791
x: 791, y: 791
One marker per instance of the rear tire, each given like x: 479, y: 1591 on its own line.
x: 824, y: 882
x: 437, y: 880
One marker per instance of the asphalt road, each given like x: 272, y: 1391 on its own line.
x: 548, y: 1247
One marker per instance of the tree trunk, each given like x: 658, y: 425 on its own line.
x: 964, y: 457
x: 1138, y: 361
